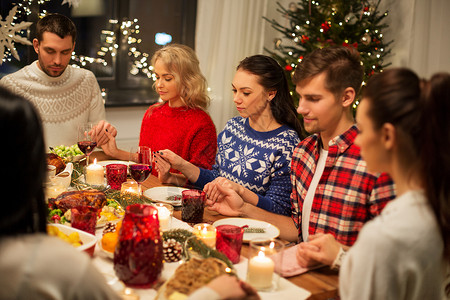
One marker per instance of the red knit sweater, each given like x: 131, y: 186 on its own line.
x: 189, y: 133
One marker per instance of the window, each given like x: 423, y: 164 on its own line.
x: 116, y: 50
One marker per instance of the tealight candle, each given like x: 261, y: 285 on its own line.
x: 130, y: 187
x: 260, y: 271
x: 94, y: 174
x: 53, y: 190
x: 207, y: 233
x: 165, y: 212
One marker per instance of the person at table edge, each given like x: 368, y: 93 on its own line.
x: 255, y: 148
x: 65, y: 96
x: 332, y: 192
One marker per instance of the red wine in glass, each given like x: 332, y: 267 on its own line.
x: 140, y: 172
x: 87, y: 146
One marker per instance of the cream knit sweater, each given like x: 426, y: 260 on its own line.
x: 63, y: 102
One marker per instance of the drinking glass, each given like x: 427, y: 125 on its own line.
x: 140, y: 165
x: 85, y: 139
x: 229, y: 241
x: 138, y: 257
x: 84, y: 218
x: 192, y: 206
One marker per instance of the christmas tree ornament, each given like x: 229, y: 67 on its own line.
x: 277, y: 43
x: 10, y: 33
x: 293, y: 7
x: 366, y: 39
x: 351, y: 18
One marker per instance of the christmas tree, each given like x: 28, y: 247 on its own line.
x: 316, y: 24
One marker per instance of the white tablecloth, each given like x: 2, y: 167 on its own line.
x: 286, y: 289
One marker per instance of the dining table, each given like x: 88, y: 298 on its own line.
x: 318, y: 283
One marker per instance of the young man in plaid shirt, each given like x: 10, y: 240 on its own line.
x: 332, y: 190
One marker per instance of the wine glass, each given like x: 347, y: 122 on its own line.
x: 140, y: 163
x: 85, y: 139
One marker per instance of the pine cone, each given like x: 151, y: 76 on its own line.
x: 172, y: 250
x: 109, y: 227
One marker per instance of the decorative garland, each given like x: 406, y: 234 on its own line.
x: 197, y: 245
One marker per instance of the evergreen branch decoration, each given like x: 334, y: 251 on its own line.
x: 181, y: 235
x: 126, y: 199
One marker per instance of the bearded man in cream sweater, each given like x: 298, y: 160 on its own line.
x: 64, y: 96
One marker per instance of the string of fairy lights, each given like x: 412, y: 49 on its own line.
x: 127, y: 31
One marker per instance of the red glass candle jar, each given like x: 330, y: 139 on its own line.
x: 138, y: 258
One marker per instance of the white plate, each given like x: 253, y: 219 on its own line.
x: 160, y: 194
x: 270, y: 230
x: 104, y: 163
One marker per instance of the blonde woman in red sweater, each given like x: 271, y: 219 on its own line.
x: 180, y: 121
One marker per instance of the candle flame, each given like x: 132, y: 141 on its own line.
x: 95, y: 161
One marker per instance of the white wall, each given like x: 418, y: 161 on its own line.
x: 127, y: 121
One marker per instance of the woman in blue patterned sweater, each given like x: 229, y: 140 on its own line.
x: 255, y: 148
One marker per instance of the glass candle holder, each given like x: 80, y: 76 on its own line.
x: 130, y: 187
x: 165, y: 212
x: 192, y: 206
x: 207, y: 233
x: 116, y: 174
x: 138, y: 258
x: 229, y: 241
x: 261, y: 263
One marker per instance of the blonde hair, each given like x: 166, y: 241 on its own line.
x: 182, y: 61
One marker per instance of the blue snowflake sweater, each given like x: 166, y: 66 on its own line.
x: 259, y: 161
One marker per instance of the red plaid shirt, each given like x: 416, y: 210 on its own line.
x: 346, y: 196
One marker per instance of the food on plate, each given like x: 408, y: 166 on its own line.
x: 194, y: 274
x: 173, y: 198
x: 67, y: 200
x: 111, y: 236
x: 57, y: 161
x: 254, y: 230
x: 110, y: 212
x: 73, y: 238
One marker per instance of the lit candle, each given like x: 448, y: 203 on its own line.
x: 260, y: 271
x: 207, y: 233
x: 130, y: 187
x: 165, y: 212
x: 94, y: 174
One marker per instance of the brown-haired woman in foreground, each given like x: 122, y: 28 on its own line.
x: 405, y: 252
x: 33, y: 264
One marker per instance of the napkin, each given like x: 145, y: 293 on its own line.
x: 289, y: 265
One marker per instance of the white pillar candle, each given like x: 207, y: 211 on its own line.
x: 260, y: 271
x: 95, y: 174
x: 164, y: 218
x: 207, y: 233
